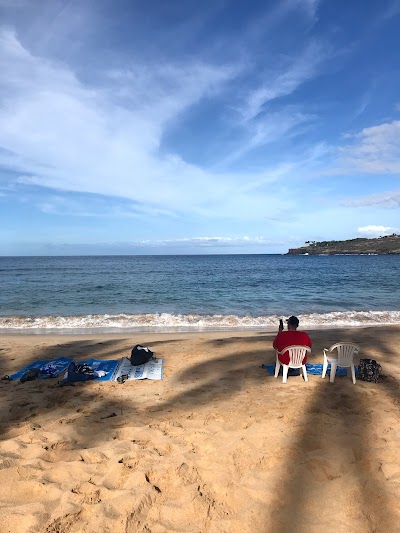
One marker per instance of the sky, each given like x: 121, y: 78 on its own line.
x: 186, y: 127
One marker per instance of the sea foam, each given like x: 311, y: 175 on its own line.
x: 193, y: 322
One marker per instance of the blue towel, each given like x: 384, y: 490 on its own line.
x: 311, y: 369
x: 49, y: 368
x: 317, y: 370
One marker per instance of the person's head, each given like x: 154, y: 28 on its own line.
x: 292, y: 323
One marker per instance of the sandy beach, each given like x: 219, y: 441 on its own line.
x: 217, y: 446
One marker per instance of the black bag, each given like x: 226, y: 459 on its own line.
x: 369, y: 370
x: 140, y: 355
x: 79, y: 372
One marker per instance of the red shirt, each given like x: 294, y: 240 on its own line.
x: 291, y: 338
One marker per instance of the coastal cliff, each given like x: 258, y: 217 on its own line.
x: 382, y: 245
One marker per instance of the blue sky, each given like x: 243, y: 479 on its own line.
x: 197, y: 127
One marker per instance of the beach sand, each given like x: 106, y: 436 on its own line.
x: 217, y: 446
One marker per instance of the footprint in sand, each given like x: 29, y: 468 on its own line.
x: 90, y: 493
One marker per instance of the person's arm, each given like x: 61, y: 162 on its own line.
x: 280, y: 329
x: 276, y: 340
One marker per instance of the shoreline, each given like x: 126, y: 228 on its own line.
x: 167, y: 331
x: 67, y: 343
x: 218, y: 445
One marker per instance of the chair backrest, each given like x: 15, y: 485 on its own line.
x: 297, y: 354
x: 346, y: 351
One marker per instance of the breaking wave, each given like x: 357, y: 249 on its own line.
x: 164, y: 322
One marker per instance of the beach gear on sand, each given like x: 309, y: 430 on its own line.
x: 153, y: 369
x: 369, y: 370
x: 30, y: 375
x: 49, y: 368
x: 80, y: 372
x: 92, y: 369
x: 120, y: 370
x: 340, y: 354
x: 140, y: 355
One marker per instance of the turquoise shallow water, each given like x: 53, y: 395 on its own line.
x: 197, y: 292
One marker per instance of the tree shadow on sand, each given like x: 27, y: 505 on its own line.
x: 220, y: 379
x: 349, y: 405
x: 25, y: 403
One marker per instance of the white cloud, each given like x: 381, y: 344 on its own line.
x: 376, y: 231
x: 61, y: 134
x: 374, y: 150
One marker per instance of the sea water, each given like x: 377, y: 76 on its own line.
x: 191, y: 293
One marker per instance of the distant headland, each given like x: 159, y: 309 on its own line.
x: 389, y: 244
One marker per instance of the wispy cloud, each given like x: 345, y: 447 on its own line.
x: 365, y: 100
x: 292, y: 73
x: 392, y: 10
x: 72, y: 137
x: 271, y: 128
x: 212, y: 242
x: 62, y: 134
x: 389, y: 200
x: 91, y: 206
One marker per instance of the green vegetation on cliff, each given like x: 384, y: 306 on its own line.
x: 389, y: 244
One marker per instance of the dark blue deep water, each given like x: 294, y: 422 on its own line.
x: 192, y: 292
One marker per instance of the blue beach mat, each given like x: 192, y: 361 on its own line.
x: 315, y: 370
x: 49, y: 368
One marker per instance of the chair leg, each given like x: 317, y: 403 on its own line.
x: 333, y: 372
x: 324, y: 369
x: 277, y: 367
x: 304, y: 373
x: 353, y: 374
x: 285, y: 372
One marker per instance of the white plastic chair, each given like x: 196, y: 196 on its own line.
x: 344, y: 358
x: 296, y: 356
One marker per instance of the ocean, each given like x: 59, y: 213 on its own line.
x: 193, y: 293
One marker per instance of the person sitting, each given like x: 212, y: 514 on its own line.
x: 291, y: 337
